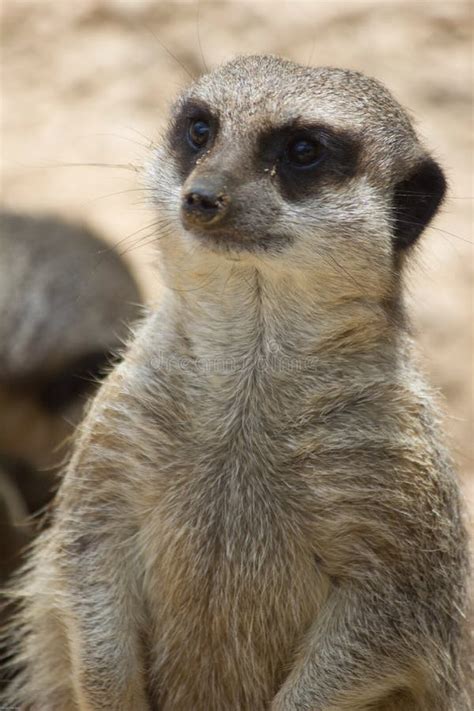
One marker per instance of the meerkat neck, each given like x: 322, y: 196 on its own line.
x: 242, y: 311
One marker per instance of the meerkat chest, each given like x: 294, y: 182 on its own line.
x: 230, y: 593
x: 231, y: 580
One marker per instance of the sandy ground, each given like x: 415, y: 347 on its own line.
x: 90, y: 82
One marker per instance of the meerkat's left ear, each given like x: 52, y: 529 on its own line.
x: 416, y: 201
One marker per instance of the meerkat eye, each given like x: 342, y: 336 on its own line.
x: 199, y: 132
x: 304, y: 152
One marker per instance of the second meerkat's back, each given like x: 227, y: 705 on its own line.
x: 66, y: 303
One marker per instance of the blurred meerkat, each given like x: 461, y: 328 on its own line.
x: 259, y: 512
x: 66, y: 300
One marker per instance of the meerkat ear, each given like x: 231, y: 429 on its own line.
x: 416, y: 201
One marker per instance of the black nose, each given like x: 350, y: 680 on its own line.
x: 202, y: 204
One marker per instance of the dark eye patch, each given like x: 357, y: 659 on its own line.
x: 182, y: 132
x: 336, y: 156
x: 77, y: 380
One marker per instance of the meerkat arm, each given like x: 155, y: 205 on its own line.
x: 106, y: 662
x: 105, y: 653
x: 103, y: 619
x: 80, y: 645
x: 355, y: 658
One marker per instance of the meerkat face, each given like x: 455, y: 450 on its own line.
x: 268, y: 160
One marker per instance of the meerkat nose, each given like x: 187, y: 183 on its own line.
x: 204, y: 203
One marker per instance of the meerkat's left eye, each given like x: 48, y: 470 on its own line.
x: 199, y: 132
x: 304, y: 152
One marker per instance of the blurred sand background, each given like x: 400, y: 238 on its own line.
x: 90, y: 82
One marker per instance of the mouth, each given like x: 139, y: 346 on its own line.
x: 230, y: 241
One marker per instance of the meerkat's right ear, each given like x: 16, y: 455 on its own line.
x: 416, y: 201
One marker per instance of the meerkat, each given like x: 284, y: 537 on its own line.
x: 258, y: 513
x: 66, y: 299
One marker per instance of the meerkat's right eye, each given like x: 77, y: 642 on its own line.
x: 199, y: 132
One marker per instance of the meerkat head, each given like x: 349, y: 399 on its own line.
x: 266, y: 161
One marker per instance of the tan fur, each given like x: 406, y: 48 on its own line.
x: 258, y: 513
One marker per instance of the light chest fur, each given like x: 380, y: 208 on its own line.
x: 225, y: 525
